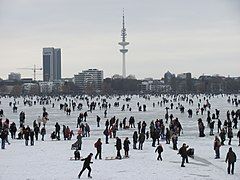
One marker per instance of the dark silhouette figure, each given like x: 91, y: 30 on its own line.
x: 231, y: 159
x: 86, y: 165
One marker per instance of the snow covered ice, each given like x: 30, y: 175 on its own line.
x: 49, y: 159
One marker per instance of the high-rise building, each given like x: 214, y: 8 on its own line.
x: 90, y: 77
x: 57, y: 63
x: 51, y: 64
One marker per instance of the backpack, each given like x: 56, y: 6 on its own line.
x: 95, y: 144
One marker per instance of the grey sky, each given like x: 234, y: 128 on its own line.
x: 198, y: 36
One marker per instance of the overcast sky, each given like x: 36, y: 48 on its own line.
x: 198, y: 36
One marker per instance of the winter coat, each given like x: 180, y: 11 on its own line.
x: 31, y: 135
x: 217, y: 144
x: 87, y: 161
x: 231, y: 157
x: 183, y: 151
x: 212, y: 125
x: 118, y: 144
x: 230, y: 134
x: 4, y: 135
x: 79, y: 139
x: 57, y: 126
x: 26, y: 135
x: 141, y: 138
x: 67, y: 132
x: 174, y: 139
x: 159, y: 149
x: 168, y: 134
x: 98, y: 145
x: 36, y: 129
x: 87, y: 128
x: 135, y: 138
x: 13, y: 127
x: 222, y: 135
x: 126, y: 145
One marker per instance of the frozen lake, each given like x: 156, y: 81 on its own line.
x: 50, y: 159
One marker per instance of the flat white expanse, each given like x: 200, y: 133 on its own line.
x: 49, y: 160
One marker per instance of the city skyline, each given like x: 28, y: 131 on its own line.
x: 197, y: 37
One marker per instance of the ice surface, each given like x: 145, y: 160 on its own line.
x: 49, y: 160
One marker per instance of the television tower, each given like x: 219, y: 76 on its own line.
x: 123, y: 44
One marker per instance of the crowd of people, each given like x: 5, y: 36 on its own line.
x: 166, y: 130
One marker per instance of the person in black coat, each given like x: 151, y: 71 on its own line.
x: 31, y: 137
x: 168, y: 135
x: 86, y: 165
x: 222, y: 135
x: 57, y: 130
x: 13, y: 130
x: 98, y: 121
x: 126, y: 146
x: 230, y: 135
x: 106, y: 133
x: 43, y: 132
x: 26, y: 136
x: 36, y: 131
x: 3, y: 136
x: 77, y: 154
x: 183, y: 153
x: 159, y: 149
x: 135, y: 139
x: 79, y: 120
x: 231, y: 159
x: 141, y: 140
x: 118, y: 147
x: 211, y: 125
x: 139, y: 126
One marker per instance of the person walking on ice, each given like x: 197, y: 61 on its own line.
x: 86, y: 165
x: 159, y: 149
x: 230, y: 159
x: 118, y: 147
x: 126, y: 147
x: 98, y: 146
x: 183, y: 153
x: 216, y: 147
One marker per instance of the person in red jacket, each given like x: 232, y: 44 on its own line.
x: 67, y: 133
x: 98, y: 146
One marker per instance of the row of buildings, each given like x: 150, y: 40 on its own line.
x: 91, y: 81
